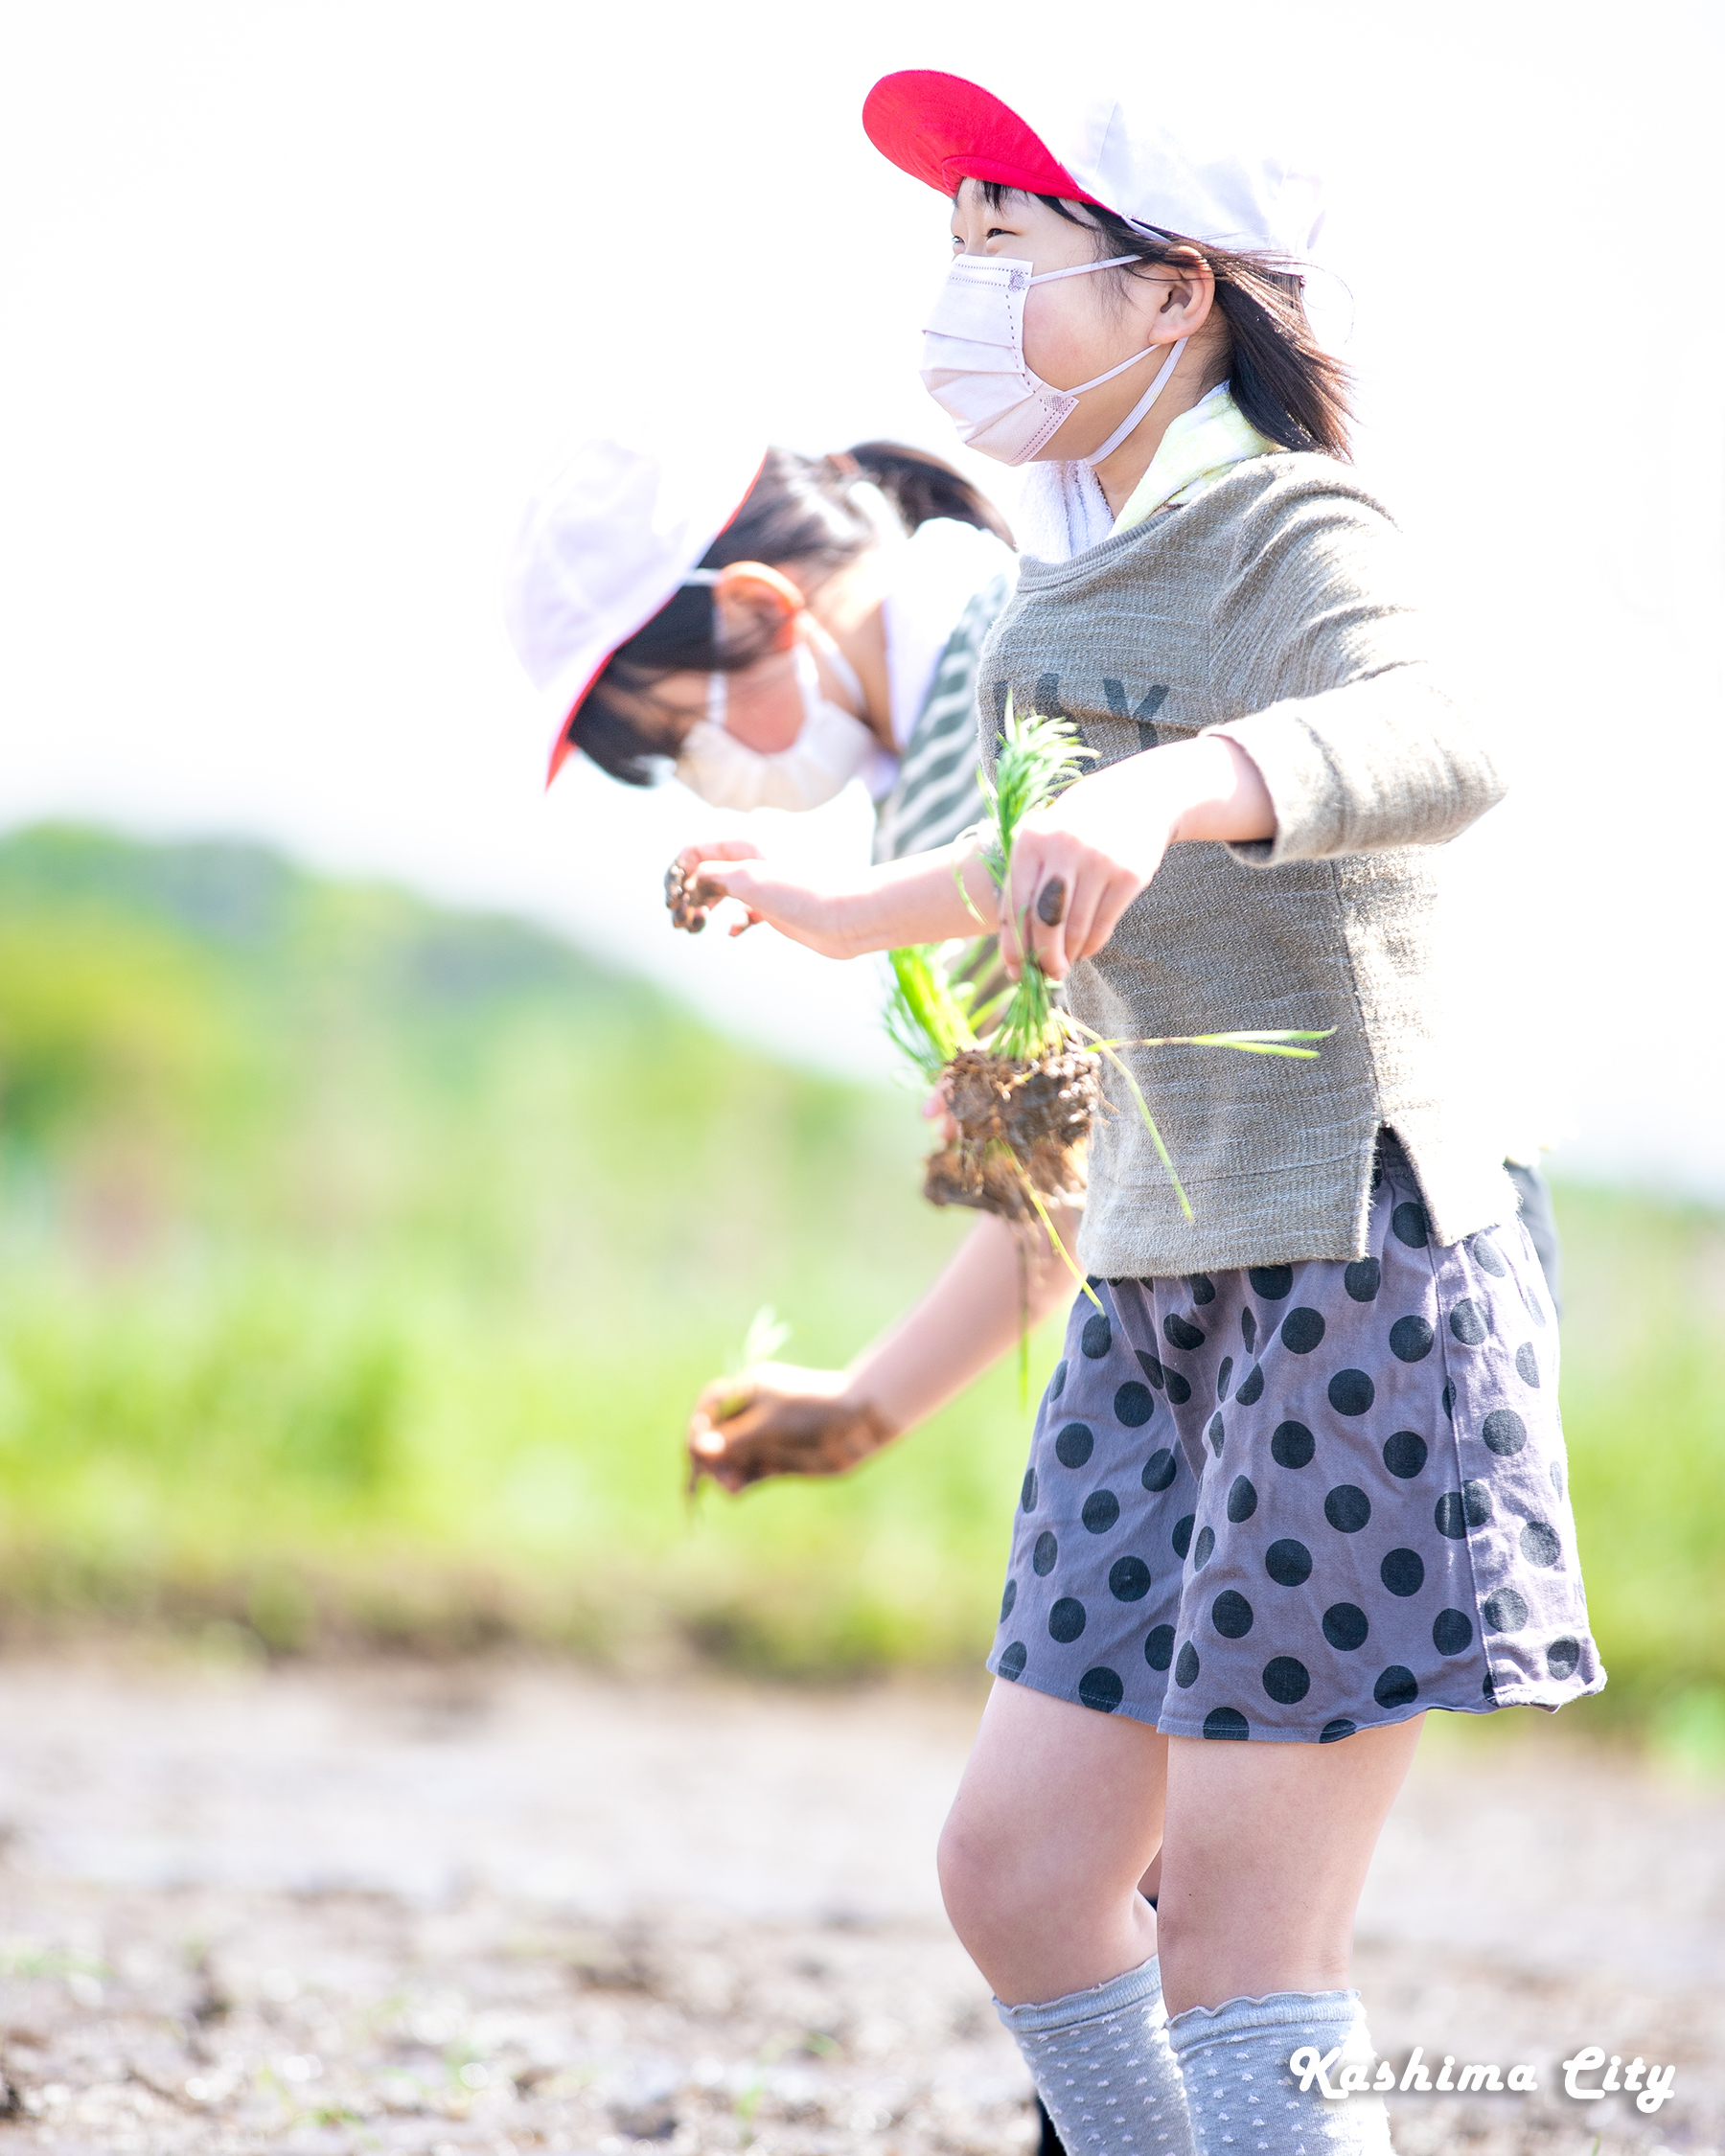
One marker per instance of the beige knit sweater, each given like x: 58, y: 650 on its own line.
x: 1276, y: 610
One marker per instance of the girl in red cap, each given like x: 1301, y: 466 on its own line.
x: 1299, y: 1477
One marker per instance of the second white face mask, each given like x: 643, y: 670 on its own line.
x: 831, y: 748
x: 974, y: 363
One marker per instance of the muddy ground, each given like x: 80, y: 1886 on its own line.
x: 512, y: 1909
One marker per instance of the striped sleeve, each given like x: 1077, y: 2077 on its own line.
x: 935, y: 794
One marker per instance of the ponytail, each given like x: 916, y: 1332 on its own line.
x: 922, y: 487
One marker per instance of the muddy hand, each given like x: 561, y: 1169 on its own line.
x: 779, y: 1421
x: 689, y: 902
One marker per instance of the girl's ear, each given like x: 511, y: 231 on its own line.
x: 765, y: 590
x: 1190, y: 293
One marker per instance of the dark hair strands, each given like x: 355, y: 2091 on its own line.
x: 1294, y: 392
x: 800, y: 514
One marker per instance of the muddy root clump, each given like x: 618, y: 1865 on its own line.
x: 1022, y: 1129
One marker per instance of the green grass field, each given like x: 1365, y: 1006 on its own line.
x: 358, y: 1263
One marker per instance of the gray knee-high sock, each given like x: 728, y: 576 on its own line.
x: 1101, y: 2063
x: 1242, y: 2095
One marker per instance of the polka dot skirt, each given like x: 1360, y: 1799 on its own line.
x: 1295, y: 1501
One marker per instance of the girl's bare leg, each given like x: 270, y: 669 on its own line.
x: 1058, y: 1815
x: 1268, y: 1846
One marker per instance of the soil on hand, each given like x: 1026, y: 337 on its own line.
x: 688, y: 902
x: 1021, y: 1130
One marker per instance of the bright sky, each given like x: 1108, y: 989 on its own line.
x: 301, y: 296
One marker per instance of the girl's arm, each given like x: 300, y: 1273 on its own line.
x: 787, y: 1421
x: 1076, y: 864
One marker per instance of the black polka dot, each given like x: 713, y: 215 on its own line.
x: 1101, y: 1509
x: 1557, y: 1474
x: 1159, y: 1470
x: 1152, y: 1368
x: 1289, y: 1563
x: 1404, y: 1454
x: 1347, y: 1508
x: 1177, y: 1333
x: 1043, y: 1555
x: 1232, y: 1615
x: 1301, y: 1330
x: 1487, y: 1255
x: 1403, y: 1572
x: 1396, y: 1687
x: 1252, y: 1386
x: 1409, y: 1220
x: 1489, y: 1689
x: 1134, y: 1404
x: 1226, y: 1722
x: 1504, y: 1612
x: 1467, y: 1321
x: 1178, y: 1390
x: 1013, y: 1657
x: 1216, y: 1433
x: 1362, y: 1279
x: 1527, y: 1364
x: 1249, y: 1327
x: 1027, y: 1495
x: 1181, y: 1536
x: 1129, y: 1579
x: 1476, y: 1503
x: 1274, y: 1282
x: 1452, y: 1632
x: 1449, y: 1402
x: 1186, y: 1670
x: 1287, y: 1681
x: 1074, y: 1445
x: 1097, y: 1336
x: 1344, y: 1626
x: 1351, y: 1392
x: 1224, y: 1371
x: 1242, y: 1500
x: 1540, y: 1544
x: 1102, y: 1690
x: 1447, y: 1516
x: 1066, y: 1619
x: 1203, y: 1287
x: 1332, y: 1733
x: 1057, y: 1383
x: 1536, y: 1307
x: 1008, y: 1599
x: 1291, y: 1445
x: 1158, y: 1647
x: 1505, y: 1433
x: 1410, y: 1340
x: 1562, y: 1657
x: 1204, y: 1548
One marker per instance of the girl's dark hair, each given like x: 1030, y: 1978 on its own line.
x: 802, y: 512
x: 1282, y: 379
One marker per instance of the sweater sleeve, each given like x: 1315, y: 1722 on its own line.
x: 1357, y: 742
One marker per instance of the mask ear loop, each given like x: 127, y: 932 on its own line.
x: 1143, y: 404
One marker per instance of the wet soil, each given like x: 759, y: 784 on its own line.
x: 1021, y: 1128
x: 514, y: 1908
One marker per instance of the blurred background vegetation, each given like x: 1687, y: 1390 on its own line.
x: 358, y: 1262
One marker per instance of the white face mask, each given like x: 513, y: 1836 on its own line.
x: 974, y: 363
x: 831, y: 747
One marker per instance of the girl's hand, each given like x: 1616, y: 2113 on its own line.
x: 807, y: 909
x: 774, y: 1419
x: 688, y: 898
x: 1079, y: 863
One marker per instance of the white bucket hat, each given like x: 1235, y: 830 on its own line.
x: 611, y: 536
x: 1202, y: 173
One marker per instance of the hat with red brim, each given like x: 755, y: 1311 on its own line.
x: 1211, y: 171
x: 607, y: 540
